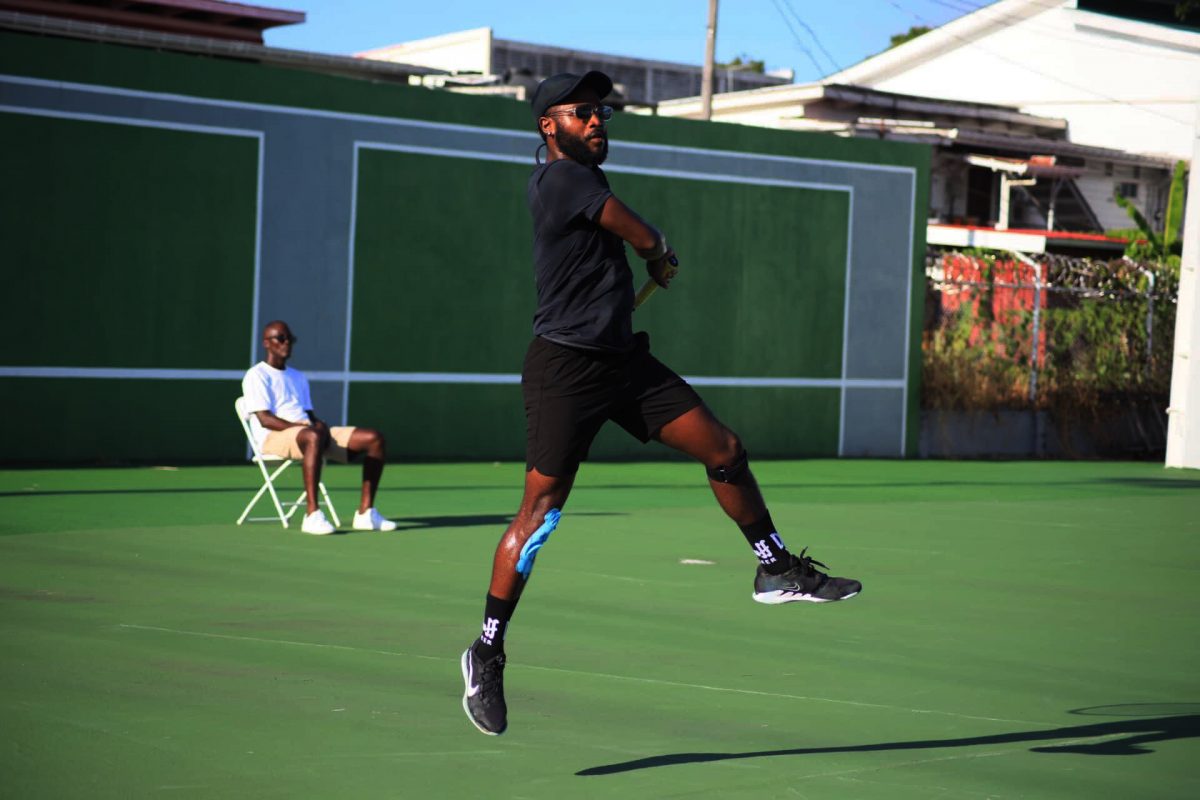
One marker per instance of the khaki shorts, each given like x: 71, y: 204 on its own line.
x: 283, y: 443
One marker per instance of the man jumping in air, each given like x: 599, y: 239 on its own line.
x: 586, y: 366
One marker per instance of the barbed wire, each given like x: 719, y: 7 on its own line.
x: 1112, y: 279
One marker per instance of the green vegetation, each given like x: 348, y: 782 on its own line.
x: 1105, y: 343
x: 908, y: 35
x: 744, y: 63
x: 1144, y: 242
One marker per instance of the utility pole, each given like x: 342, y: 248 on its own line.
x: 710, y: 46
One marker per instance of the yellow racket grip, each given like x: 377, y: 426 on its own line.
x: 649, y: 287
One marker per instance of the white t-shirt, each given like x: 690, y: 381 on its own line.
x: 283, y: 392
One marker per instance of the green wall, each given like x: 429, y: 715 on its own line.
x: 134, y: 246
x: 154, y: 71
x: 462, y: 273
x: 125, y: 246
x: 115, y: 421
x: 442, y: 246
x: 128, y: 247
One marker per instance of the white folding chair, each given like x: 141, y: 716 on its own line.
x: 262, y: 460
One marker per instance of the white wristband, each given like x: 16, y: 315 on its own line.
x: 659, y: 250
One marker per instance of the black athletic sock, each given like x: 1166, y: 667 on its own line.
x: 768, y: 546
x: 496, y: 614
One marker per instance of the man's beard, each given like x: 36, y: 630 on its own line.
x: 576, y: 148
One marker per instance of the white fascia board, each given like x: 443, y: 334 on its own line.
x: 787, y: 100
x: 431, y: 42
x: 955, y: 236
x: 1146, y: 33
x: 768, y: 97
x: 951, y: 36
x: 461, y: 51
x: 997, y: 164
x: 949, y: 108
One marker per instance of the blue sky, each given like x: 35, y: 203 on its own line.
x: 672, y: 30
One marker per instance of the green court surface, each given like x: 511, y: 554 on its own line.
x: 1027, y: 630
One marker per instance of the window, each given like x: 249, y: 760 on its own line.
x: 1127, y: 190
x: 1108, y: 168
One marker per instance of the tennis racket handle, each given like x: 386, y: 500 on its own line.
x: 644, y: 293
x: 649, y: 287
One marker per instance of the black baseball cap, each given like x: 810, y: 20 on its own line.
x: 557, y: 88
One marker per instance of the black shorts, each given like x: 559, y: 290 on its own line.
x: 570, y: 393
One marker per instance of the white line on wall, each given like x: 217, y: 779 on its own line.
x: 497, y: 134
x: 337, y: 376
x: 399, y: 121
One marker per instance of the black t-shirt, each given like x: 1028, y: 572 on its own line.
x: 584, y: 284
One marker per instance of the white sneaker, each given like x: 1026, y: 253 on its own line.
x: 316, y: 523
x: 372, y: 520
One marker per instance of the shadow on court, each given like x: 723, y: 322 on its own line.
x: 467, y: 520
x: 699, y: 485
x: 1134, y: 732
x: 231, y: 489
x: 1156, y: 483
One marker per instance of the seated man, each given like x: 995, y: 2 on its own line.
x: 283, y: 424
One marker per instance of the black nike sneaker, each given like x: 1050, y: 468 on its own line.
x: 483, y: 698
x: 802, y: 583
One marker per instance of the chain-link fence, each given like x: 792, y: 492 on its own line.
x: 1080, y: 337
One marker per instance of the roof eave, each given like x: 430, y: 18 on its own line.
x: 952, y: 35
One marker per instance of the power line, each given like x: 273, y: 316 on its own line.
x: 987, y: 12
x: 813, y: 34
x: 821, y: 71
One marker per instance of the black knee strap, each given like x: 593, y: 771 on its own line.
x: 734, y: 473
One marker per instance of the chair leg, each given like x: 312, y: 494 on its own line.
x: 262, y: 490
x: 268, y: 485
x: 283, y: 518
x: 329, y: 504
x: 293, y: 506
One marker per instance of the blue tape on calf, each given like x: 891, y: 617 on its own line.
x: 535, y: 542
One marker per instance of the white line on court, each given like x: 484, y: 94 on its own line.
x: 845, y: 772
x: 412, y: 754
x: 630, y: 678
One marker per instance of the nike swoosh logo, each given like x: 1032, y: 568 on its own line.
x: 472, y: 687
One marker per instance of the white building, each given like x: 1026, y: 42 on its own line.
x: 477, y: 60
x: 1125, y: 74
x: 1093, y: 103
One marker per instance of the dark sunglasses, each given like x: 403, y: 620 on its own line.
x: 279, y: 337
x: 586, y: 111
